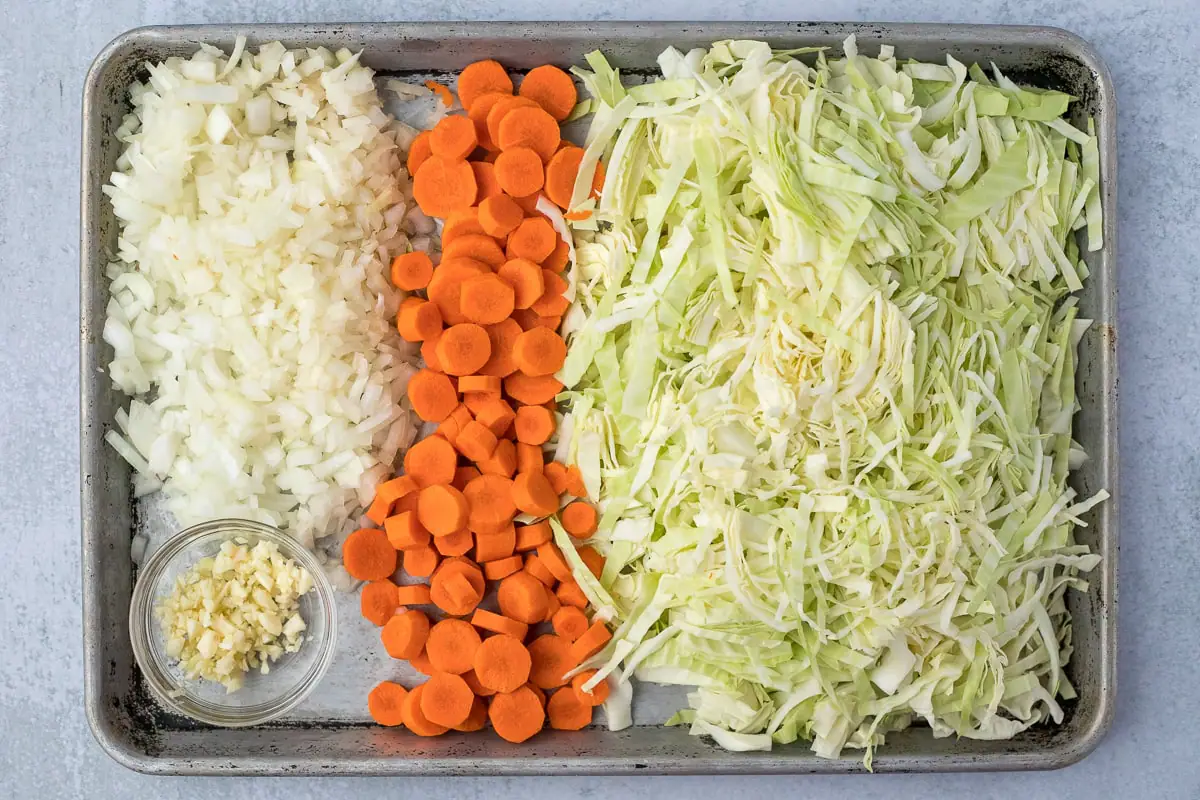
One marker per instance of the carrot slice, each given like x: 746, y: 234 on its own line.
x: 551, y: 659
x: 461, y: 223
x: 479, y: 383
x: 552, y: 89
x: 443, y: 186
x: 551, y: 305
x: 538, y: 569
x: 552, y: 607
x: 499, y: 214
x: 567, y: 712
x: 368, y: 556
x: 485, y: 181
x: 451, y: 646
x: 447, y: 699
x: 463, y: 476
x: 591, y: 642
x: 463, y: 349
x: 429, y: 350
x: 495, y: 546
x: 556, y: 473
x: 489, y: 621
x: 529, y: 319
x: 529, y: 126
x: 538, y: 692
x: 502, y: 461
x: 385, y: 703
x: 415, y: 594
x: 592, y: 559
x: 460, y: 566
x: 533, y: 494
x: 494, y: 413
x: 523, y: 598
x: 478, y: 688
x: 442, y: 92
x: 475, y: 246
x: 476, y: 442
x: 458, y: 543
x: 486, y: 300
x: 502, y: 663
x: 502, y: 336
x: 491, y: 502
x: 379, y: 602
x: 445, y: 288
x: 529, y: 456
x: 557, y: 261
x: 560, y: 175
x: 569, y: 594
x: 534, y: 425
x: 525, y: 278
x: 500, y: 110
x: 412, y: 271
x: 478, y: 114
x: 570, y: 622
x: 430, y: 461
x: 418, y: 152
x: 534, y: 239
x: 529, y: 537
x: 579, y: 519
x: 420, y: 662
x: 421, y: 562
x: 532, y: 391
x: 404, y: 634
x: 502, y: 568
x: 482, y: 78
x: 442, y: 509
x: 519, y: 171
x: 418, y: 320
x: 405, y: 532
x: 575, y: 483
x: 554, y: 560
x: 454, y: 138
x: 415, y: 719
x: 387, y: 494
x: 516, y: 716
x: 477, y: 718
x: 432, y: 395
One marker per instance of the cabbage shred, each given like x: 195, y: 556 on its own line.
x: 822, y: 367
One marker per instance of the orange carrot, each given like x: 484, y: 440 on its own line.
x: 529, y: 456
x: 567, y: 712
x: 560, y: 175
x: 529, y: 537
x: 415, y: 719
x: 525, y: 277
x: 491, y: 501
x: 416, y: 594
x: 478, y: 113
x: 408, y: 502
x: 529, y: 126
x: 598, y: 180
x: 591, y: 642
x: 485, y: 181
x: 551, y: 659
x: 462, y: 415
x: 443, y: 186
x: 387, y: 494
x: 445, y: 288
x: 502, y: 336
x: 442, y: 92
x: 499, y: 214
x: 575, y: 482
x: 500, y: 110
x: 552, y: 89
x: 404, y: 634
x: 476, y: 442
x: 579, y: 519
x: 533, y: 239
x: 478, y: 716
x: 533, y: 494
x: 368, y: 556
x: 558, y: 260
x: 479, y: 383
x: 523, y: 598
x: 538, y: 692
x: 535, y: 567
x: 592, y: 559
x: 493, y: 412
x: 529, y: 319
x: 418, y: 152
x: 530, y: 390
x: 502, y: 461
x: 429, y: 352
x: 418, y: 320
x: 446, y: 589
x: 517, y: 716
x: 404, y: 531
x: 555, y: 283
x: 432, y: 395
x: 451, y: 646
x: 554, y: 560
x: 577, y: 216
x: 478, y: 688
x: 556, y: 473
x: 570, y: 623
x: 486, y: 300
x: 430, y: 461
x: 378, y: 601
x: 442, y: 509
x: 411, y: 271
x: 463, y: 348
x: 569, y: 594
x: 482, y: 78
x: 420, y: 662
x: 502, y: 568
x: 458, y: 543
x: 476, y: 246
x: 447, y: 699
x: 502, y: 663
x: 385, y: 703
x: 551, y: 304
x: 552, y: 606
x: 534, y: 424
x: 495, y: 546
x: 461, y: 223
x: 489, y: 621
x: 421, y: 562
x: 454, y: 138
x: 448, y: 429
x: 463, y: 476
x: 519, y: 171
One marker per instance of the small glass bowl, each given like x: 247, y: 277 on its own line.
x: 262, y: 697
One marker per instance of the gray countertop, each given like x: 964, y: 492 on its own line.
x: 1154, y: 53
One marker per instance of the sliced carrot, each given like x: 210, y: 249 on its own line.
x: 552, y: 606
x: 465, y: 567
x: 570, y: 622
x: 552, y: 89
x: 441, y: 91
x: 555, y: 284
x: 405, y: 532
x: 368, y: 556
x: 414, y: 594
x: 404, y: 634
x: 462, y: 415
x: 579, y: 519
x: 448, y: 429
x: 567, y: 712
x: 432, y: 395
x: 551, y: 659
x: 443, y: 186
x: 534, y: 239
x: 523, y: 598
x: 456, y: 596
x: 489, y: 621
x: 532, y: 391
x: 418, y: 320
x: 415, y: 719
x: 477, y: 718
x: 491, y: 501
x: 499, y: 214
x: 472, y: 680
x: 378, y: 601
x: 385, y: 703
x: 500, y: 110
x: 517, y: 716
x: 418, y: 152
x: 463, y: 476
x: 591, y: 642
x: 538, y: 692
x: 529, y: 537
x: 454, y: 138
x: 502, y: 663
x: 479, y: 383
x: 569, y: 594
x: 430, y: 461
x: 529, y: 127
x: 560, y: 175
x: 451, y: 646
x: 476, y: 246
x: 528, y: 203
x: 577, y: 216
x: 558, y: 260
x: 442, y: 509
x: 482, y: 78
x: 478, y: 113
x: 534, y: 495
x: 447, y: 699
x: 529, y: 456
x: 534, y: 425
x: 445, y: 288
x: 519, y: 171
x: 485, y: 181
x: 495, y: 546
x: 551, y: 306
x: 421, y: 562
x: 461, y: 223
x: 458, y: 543
x: 494, y: 413
x: 502, y: 568
x: 502, y: 336
x: 463, y: 349
x: 525, y: 278
x: 598, y: 180
x: 502, y: 461
x: 556, y: 473
x: 575, y: 483
x: 420, y: 662
x: 387, y: 494
x: 593, y: 560
x: 476, y: 442
x: 529, y: 319
x: 535, y: 567
x: 429, y: 352
x: 486, y: 300
x: 411, y: 271
x: 554, y: 560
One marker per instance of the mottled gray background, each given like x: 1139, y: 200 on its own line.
x: 1152, y: 48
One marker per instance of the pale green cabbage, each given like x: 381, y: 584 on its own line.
x: 821, y: 367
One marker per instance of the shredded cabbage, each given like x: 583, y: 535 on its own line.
x: 822, y: 380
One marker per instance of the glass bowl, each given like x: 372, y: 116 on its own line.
x: 262, y: 697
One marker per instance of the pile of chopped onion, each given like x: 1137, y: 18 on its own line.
x: 260, y: 199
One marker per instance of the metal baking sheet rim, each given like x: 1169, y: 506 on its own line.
x: 115, y: 730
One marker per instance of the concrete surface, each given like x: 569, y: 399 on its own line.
x: 1152, y: 48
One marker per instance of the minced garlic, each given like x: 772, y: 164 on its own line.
x: 236, y: 611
